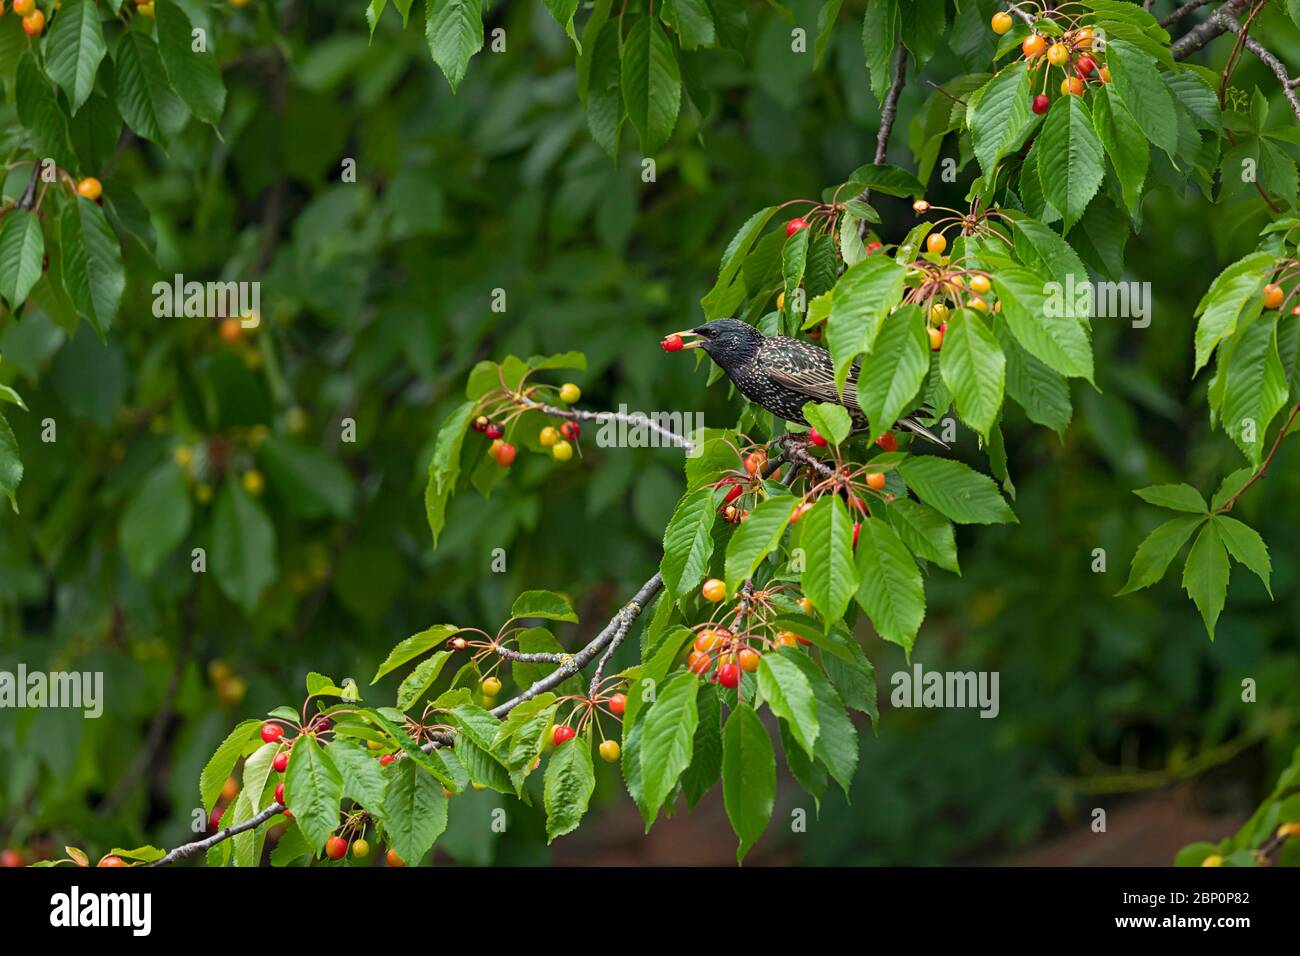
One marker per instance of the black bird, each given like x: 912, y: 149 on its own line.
x: 780, y: 374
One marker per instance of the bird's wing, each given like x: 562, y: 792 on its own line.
x: 808, y: 370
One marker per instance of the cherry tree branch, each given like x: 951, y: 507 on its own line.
x: 1215, y: 25
x: 888, y: 114
x: 1185, y: 9
x: 1277, y: 67
x: 632, y: 419
x: 609, y: 637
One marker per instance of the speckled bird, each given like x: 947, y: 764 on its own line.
x: 781, y: 374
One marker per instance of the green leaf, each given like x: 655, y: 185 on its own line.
x: 563, y: 11
x: 454, y: 29
x: 364, y: 780
x: 1230, y: 486
x: 974, y: 369
x: 1042, y: 392
x: 826, y: 17
x: 706, y: 747
x: 891, y: 375
x: 755, y: 538
x: 831, y: 421
x: 855, y: 679
x: 1245, y: 544
x: 887, y: 179
x: 1177, y: 497
x: 41, y: 115
x: 925, y: 532
x: 1255, y: 385
x: 74, y: 48
x: 421, y: 678
x: 1043, y: 327
x: 785, y: 687
x: 1158, y: 549
x: 243, y: 546
x: 727, y: 293
x: 956, y: 491
x: 891, y: 591
x: 863, y: 297
x: 1124, y: 141
x: 837, y: 740
x: 748, y: 776
x: 543, y: 604
x: 1205, y: 576
x: 605, y: 110
x: 826, y: 535
x: 444, y: 466
x: 219, y: 766
x: 879, y: 35
x: 156, y: 520
x: 93, y: 275
x: 414, y: 810
x: 688, y: 543
x: 999, y: 116
x: 1072, y: 151
x: 22, y: 250
x: 1224, y: 300
x: 313, y: 790
x: 570, y: 780
x: 667, y: 734
x: 1145, y: 94
x: 142, y: 93
x: 652, y: 83
x: 692, y: 21
x: 194, y: 74
x: 413, y: 647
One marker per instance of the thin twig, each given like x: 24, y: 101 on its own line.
x: 1272, y: 62
x: 1215, y: 25
x: 633, y: 419
x: 1268, y: 459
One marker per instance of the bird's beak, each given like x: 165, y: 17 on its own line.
x: 698, y: 341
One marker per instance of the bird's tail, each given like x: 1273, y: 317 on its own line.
x: 916, y: 428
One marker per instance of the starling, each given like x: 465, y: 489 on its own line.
x: 781, y: 374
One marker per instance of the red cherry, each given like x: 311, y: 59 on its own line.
x: 571, y: 430
x: 480, y: 424
x: 11, y: 859
x: 729, y: 675
x: 505, y: 454
x: 214, y: 818
x: 1085, y: 65
x: 816, y: 438
x: 734, y: 492
x: 872, y: 247
x: 794, y: 225
x: 1041, y: 103
x: 279, y: 794
x: 494, y: 430
x: 112, y: 861
x: 281, y: 761
x: 271, y: 732
x: 857, y: 527
x: 562, y: 733
x: 336, y: 848
x: 386, y: 759
x: 672, y: 343
x: 618, y: 704
x: 888, y: 442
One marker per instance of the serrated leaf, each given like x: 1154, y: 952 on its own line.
x: 862, y: 299
x: 1073, y: 153
x: 748, y: 776
x: 143, y: 95
x: 651, y: 83
x: 831, y: 421
x: 546, y: 605
x: 1043, y: 328
x: 219, y: 766
x: 890, y: 589
x: 313, y: 790
x: 569, y: 782
x: 826, y: 535
x: 755, y: 538
x: 891, y: 375
x: 956, y: 491
x: 414, y: 810
x: 1145, y: 94
x: 93, y: 275
x: 668, y: 729
x: 74, y: 48
x: 22, y: 250
x: 974, y: 369
x: 1224, y: 300
x: 785, y: 687
x: 1205, y: 576
x: 1181, y: 497
x: 194, y: 74
x: 1157, y: 550
x: 413, y: 647
x: 454, y: 30
x: 1244, y: 543
x: 688, y: 543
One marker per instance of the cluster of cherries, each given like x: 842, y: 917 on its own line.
x: 614, y: 704
x: 560, y: 441
x: 1073, y: 52
x: 729, y: 652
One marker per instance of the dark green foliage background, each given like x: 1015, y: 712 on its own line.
x: 376, y: 297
